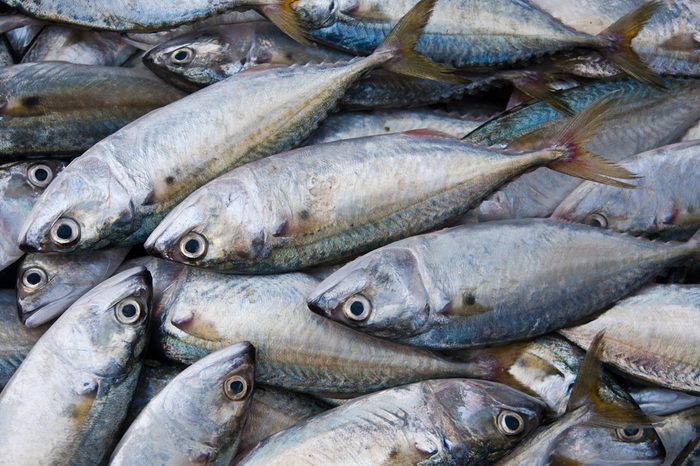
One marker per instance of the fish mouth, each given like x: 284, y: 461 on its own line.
x: 46, y: 313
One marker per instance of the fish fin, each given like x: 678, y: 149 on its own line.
x: 494, y: 363
x: 586, y: 393
x: 575, y: 159
x: 427, y: 132
x: 683, y: 42
x: 619, y: 50
x: 282, y: 15
x: 534, y: 84
x: 400, y: 44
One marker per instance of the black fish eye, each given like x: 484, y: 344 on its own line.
x: 128, y: 311
x: 236, y: 388
x: 33, y: 278
x: 65, y: 231
x: 40, y: 175
x: 597, y: 220
x: 357, y: 308
x: 510, y: 423
x: 183, y: 55
x: 630, y: 434
x: 193, y: 245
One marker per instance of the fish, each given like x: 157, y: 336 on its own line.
x: 59, y: 43
x: 20, y: 39
x: 663, y: 205
x: 464, y: 34
x: 656, y: 401
x: 651, y: 336
x: 329, y: 212
x: 16, y: 340
x: 497, y: 282
x: 456, y: 421
x: 62, y: 109
x: 198, y: 417
x: 48, y: 284
x: 203, y: 311
x: 350, y: 125
x: 73, y: 388
x: 117, y: 192
x: 21, y: 183
x: 645, y: 118
x: 155, y: 376
x: 576, y: 439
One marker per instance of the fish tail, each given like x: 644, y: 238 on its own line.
x: 617, y: 46
x: 571, y: 156
x: 281, y: 14
x: 398, y: 49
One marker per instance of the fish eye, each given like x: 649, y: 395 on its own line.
x: 630, y: 434
x: 597, y: 220
x: 357, y: 308
x: 193, y: 245
x: 40, y: 175
x: 236, y: 388
x: 128, y: 311
x: 510, y: 423
x: 65, y: 231
x: 182, y: 56
x: 34, y: 278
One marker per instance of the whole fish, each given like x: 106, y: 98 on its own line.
x: 63, y: 109
x: 203, y: 311
x: 59, y: 43
x: 323, y: 210
x: 492, y: 283
x: 73, y: 389
x: 652, y: 336
x: 118, y: 190
x: 15, y: 339
x: 645, y: 118
x: 21, y: 183
x: 196, y: 418
x: 662, y: 402
x: 48, y: 284
x: 451, y: 422
x: 466, y: 33
x: 664, y: 204
x: 352, y: 125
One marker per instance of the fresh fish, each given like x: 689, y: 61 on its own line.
x: 452, y: 422
x: 203, y: 311
x: 196, y: 418
x: 465, y: 33
x: 59, y: 43
x: 361, y: 124
x: 118, y: 191
x: 652, y: 336
x: 664, y: 204
x: 492, y: 283
x: 21, y: 183
x: 73, y: 389
x: 662, y: 402
x: 63, y: 109
x: 328, y: 212
x: 15, y: 339
x: 48, y: 284
x: 645, y: 118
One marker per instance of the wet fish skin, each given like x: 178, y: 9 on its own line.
x: 48, y: 284
x: 662, y: 402
x: 664, y: 204
x: 198, y: 315
x: 678, y: 432
x: 19, y: 190
x: 432, y: 422
x: 173, y: 429
x: 491, y: 283
x: 646, y: 118
x: 21, y: 39
x: 154, y: 377
x: 651, y: 336
x: 83, y: 387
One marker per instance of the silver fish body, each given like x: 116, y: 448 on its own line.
x: 491, y: 283
x: 651, y: 336
x: 154, y: 377
x: 449, y: 422
x: 203, y: 311
x: 80, y: 377
x: 661, y: 401
x: 48, y: 284
x: 198, y: 417
x: 664, y: 203
x: 21, y: 183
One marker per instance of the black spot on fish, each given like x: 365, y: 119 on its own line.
x: 31, y: 101
x: 304, y: 214
x: 387, y: 129
x: 469, y: 299
x: 170, y: 180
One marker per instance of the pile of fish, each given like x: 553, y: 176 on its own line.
x: 350, y: 232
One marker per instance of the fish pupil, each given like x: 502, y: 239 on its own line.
x: 357, y: 308
x: 33, y: 278
x: 64, y: 232
x: 129, y: 311
x: 631, y: 431
x: 192, y: 246
x: 41, y: 174
x: 512, y: 423
x: 236, y: 387
x: 181, y: 55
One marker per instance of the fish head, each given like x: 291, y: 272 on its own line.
x: 586, y: 444
x: 317, y: 14
x: 105, y: 331
x: 381, y: 293
x: 85, y: 207
x: 492, y: 415
x: 214, y: 227
x: 47, y: 284
x: 222, y: 385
